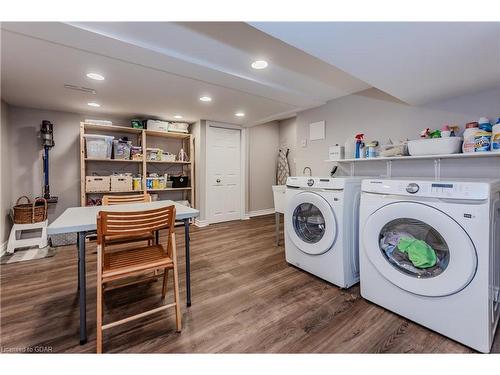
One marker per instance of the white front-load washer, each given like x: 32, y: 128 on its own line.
x: 321, y: 227
x: 430, y: 251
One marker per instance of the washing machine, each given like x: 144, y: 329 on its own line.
x: 430, y: 251
x: 321, y: 227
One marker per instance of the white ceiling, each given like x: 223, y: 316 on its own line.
x: 415, y: 62
x: 161, y: 69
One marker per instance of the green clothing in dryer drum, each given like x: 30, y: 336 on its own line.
x: 419, y: 252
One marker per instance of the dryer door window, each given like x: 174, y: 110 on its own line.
x: 310, y: 223
x: 419, y: 249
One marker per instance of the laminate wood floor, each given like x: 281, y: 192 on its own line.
x: 246, y: 299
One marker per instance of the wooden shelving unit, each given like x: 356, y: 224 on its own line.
x: 139, y: 137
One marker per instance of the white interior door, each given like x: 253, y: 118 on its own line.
x: 223, y: 174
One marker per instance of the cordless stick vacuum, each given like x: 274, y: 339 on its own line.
x: 47, y: 136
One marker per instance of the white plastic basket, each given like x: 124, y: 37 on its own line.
x: 166, y: 156
x: 98, y: 146
x: 435, y: 146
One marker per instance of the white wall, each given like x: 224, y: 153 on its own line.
x: 5, y: 177
x: 381, y: 116
x: 26, y: 161
x: 263, y: 145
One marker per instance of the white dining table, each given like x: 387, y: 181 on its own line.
x: 83, y: 220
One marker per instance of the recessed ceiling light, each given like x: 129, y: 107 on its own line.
x: 259, y: 64
x: 239, y: 114
x: 177, y: 116
x: 93, y: 104
x: 96, y: 76
x: 206, y: 99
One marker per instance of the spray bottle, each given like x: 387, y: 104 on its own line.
x: 359, y: 144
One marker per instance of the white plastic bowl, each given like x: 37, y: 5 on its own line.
x: 435, y: 146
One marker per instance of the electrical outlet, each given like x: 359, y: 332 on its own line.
x: 304, y: 142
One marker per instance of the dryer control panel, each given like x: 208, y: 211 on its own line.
x: 431, y: 189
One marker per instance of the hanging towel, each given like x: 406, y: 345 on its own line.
x: 283, y: 170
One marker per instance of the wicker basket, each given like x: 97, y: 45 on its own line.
x: 28, y: 213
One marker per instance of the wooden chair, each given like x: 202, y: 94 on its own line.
x: 135, y: 261
x: 111, y: 200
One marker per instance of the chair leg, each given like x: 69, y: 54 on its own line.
x: 99, y: 316
x: 165, y: 280
x: 178, y: 322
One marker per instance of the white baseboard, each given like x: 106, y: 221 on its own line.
x: 201, y: 223
x: 267, y: 211
x: 3, y: 248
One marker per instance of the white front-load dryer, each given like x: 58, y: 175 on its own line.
x: 430, y: 251
x: 321, y: 227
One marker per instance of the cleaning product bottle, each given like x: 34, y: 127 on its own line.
x: 471, y: 129
x: 359, y: 144
x: 482, y: 141
x: 495, y: 137
x: 484, y: 124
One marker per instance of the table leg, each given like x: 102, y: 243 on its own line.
x: 188, y: 263
x: 157, y: 237
x: 78, y: 253
x: 277, y: 227
x: 82, y: 287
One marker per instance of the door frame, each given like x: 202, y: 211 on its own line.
x: 243, y: 165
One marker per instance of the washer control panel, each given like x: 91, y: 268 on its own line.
x: 431, y: 189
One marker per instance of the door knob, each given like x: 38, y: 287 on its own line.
x: 218, y: 180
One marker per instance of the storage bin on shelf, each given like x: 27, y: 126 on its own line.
x: 121, y: 149
x: 178, y: 127
x: 136, y: 153
x: 180, y: 181
x: 167, y: 156
x: 97, y: 184
x: 435, y: 146
x: 154, y: 154
x: 137, y: 183
x: 121, y: 183
x: 157, y: 125
x: 98, y: 146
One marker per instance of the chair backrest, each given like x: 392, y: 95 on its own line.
x: 110, y: 200
x: 112, y: 223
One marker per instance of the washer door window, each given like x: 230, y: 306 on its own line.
x: 419, y: 249
x: 311, y: 226
x: 414, y: 248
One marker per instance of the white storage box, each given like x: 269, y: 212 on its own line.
x: 157, y: 125
x: 121, y: 183
x: 435, y: 146
x: 98, y: 146
x: 336, y: 152
x: 178, y: 127
x: 166, y: 156
x: 97, y: 184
